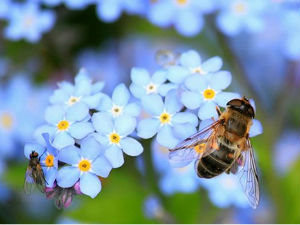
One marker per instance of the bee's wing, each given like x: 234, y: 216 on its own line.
x: 40, y: 179
x: 185, y: 152
x: 29, y: 182
x: 249, y: 177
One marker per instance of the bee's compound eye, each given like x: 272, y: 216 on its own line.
x: 235, y: 102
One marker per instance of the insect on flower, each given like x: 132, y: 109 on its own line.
x: 34, y: 174
x: 224, y: 146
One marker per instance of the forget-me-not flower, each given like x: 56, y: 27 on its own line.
x: 86, y: 164
x: 167, y: 121
x: 113, y: 134
x: 28, y: 21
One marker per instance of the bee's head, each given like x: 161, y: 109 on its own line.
x: 242, y: 105
x: 33, y: 154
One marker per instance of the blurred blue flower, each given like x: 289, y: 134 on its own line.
x: 143, y: 85
x: 64, y: 126
x: 206, y: 93
x: 86, y: 163
x: 28, y: 21
x: 236, y: 16
x: 113, y: 135
x: 49, y: 160
x: 287, y: 151
x: 82, y: 92
x: 152, y: 207
x: 186, y: 16
x: 111, y: 10
x: 166, y: 120
x: 119, y: 103
x: 5, y: 5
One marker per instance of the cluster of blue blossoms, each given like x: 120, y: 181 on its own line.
x: 87, y: 132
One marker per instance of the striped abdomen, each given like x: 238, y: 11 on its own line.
x: 217, y: 162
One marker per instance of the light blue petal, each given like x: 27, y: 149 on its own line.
x: 223, y: 97
x: 28, y: 148
x: 137, y: 91
x: 102, y: 139
x: 190, y: 58
x: 120, y: 95
x: 77, y: 112
x: 132, y: 109
x: 81, y: 129
x: 256, y: 128
x: 50, y: 176
x: 159, y: 77
x: 93, y: 100
x: 196, y: 82
x: 205, y: 123
x: 140, y: 76
x: 166, y: 137
x: 131, y: 147
x: 191, y: 100
x: 188, y: 22
x: 49, y: 146
x: 182, y: 131
x: 97, y: 87
x: 212, y: 64
x: 105, y: 103
x: 43, y: 129
x: 125, y: 125
x: 109, y: 11
x: 228, y: 24
x: 115, y: 156
x: 90, y: 184
x: 102, y: 123
x: 62, y: 139
x: 220, y: 80
x: 165, y: 88
x: 59, y: 97
x: 90, y: 148
x: 69, y: 155
x: 172, y: 104
x: 153, y: 104
x: 101, y: 166
x: 54, y: 114
x: 207, y: 110
x: 177, y: 74
x: 185, y: 117
x: 147, y: 128
x: 67, y: 176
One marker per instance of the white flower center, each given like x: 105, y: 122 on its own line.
x: 72, y: 100
x: 151, y: 88
x: 116, y: 110
x: 240, y: 8
x: 6, y: 121
x: 198, y: 70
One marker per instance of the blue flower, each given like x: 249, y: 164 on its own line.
x: 113, y: 135
x: 28, y: 21
x: 83, y: 92
x: 64, y: 126
x: 5, y: 5
x: 78, y: 4
x: 186, y: 16
x: 241, y: 15
x: 86, y: 164
x: 170, y: 125
x: 143, y: 85
x: 49, y: 160
x: 119, y: 103
x: 111, y: 10
x: 206, y: 93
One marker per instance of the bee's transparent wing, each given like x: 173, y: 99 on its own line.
x: 29, y: 182
x: 185, y: 152
x: 249, y: 177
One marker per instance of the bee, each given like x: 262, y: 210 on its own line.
x: 224, y: 146
x: 34, y: 174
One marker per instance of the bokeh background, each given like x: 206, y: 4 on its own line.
x: 46, y: 41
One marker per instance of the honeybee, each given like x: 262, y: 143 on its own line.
x: 224, y: 146
x: 34, y: 174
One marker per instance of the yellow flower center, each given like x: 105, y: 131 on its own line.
x: 114, y: 138
x: 181, y: 2
x: 28, y: 21
x: 165, y: 118
x: 7, y: 121
x: 49, y: 160
x: 239, y: 7
x: 198, y: 70
x: 116, y: 110
x: 151, y: 88
x: 63, y: 125
x: 84, y: 165
x: 200, y: 148
x: 73, y: 100
x: 209, y: 94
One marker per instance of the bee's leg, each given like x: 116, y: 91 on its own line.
x: 218, y: 111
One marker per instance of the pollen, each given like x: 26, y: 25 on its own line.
x: 151, y: 88
x: 165, y: 118
x: 84, y: 165
x: 73, y: 100
x: 6, y: 120
x: 200, y: 148
x: 181, y: 2
x: 198, y: 70
x: 116, y: 110
x: 63, y: 125
x: 49, y: 161
x: 114, y: 138
x: 209, y: 94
